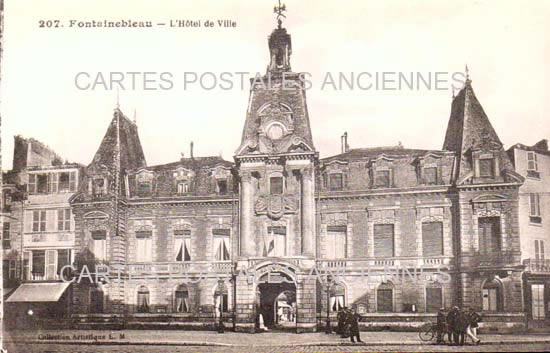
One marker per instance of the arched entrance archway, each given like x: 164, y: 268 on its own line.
x: 276, y: 291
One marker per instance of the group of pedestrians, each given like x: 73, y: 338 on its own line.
x: 348, y: 324
x: 457, y: 324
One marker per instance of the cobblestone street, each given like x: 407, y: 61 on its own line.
x: 45, y: 348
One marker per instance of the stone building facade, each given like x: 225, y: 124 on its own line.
x: 395, y: 232
x: 533, y: 163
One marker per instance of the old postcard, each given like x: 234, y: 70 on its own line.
x: 274, y: 176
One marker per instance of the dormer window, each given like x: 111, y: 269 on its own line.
x: 486, y: 167
x: 336, y: 182
x: 222, y: 186
x: 276, y: 185
x: 429, y: 175
x: 532, y: 165
x: 382, y: 178
x: 183, y: 187
x: 144, y: 187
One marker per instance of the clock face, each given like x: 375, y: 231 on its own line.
x: 275, y: 132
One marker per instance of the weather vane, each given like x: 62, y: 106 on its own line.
x: 279, y: 11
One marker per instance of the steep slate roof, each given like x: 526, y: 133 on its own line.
x: 367, y: 153
x: 131, y: 153
x: 194, y: 163
x: 469, y: 127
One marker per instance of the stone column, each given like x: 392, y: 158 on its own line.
x: 247, y: 244
x: 308, y: 212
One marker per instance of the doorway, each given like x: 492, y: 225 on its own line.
x: 278, y: 304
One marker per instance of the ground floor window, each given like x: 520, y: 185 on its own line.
x: 337, y: 297
x: 384, y: 298
x: 182, y: 299
x: 537, y: 301
x: 143, y: 300
x: 491, y: 294
x: 434, y: 299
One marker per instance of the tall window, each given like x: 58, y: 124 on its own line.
x: 539, y: 250
x: 51, y: 264
x: 182, y: 299
x: 275, y: 241
x: 143, y: 300
x: 336, y: 181
x: 491, y: 293
x: 537, y: 301
x: 383, y: 240
x: 221, y: 301
x: 382, y: 179
x: 337, y: 297
x: 434, y: 299
x: 532, y: 165
x: 221, y: 186
x: 183, y: 244
x: 67, y: 182
x: 336, y: 242
x: 487, y: 167
x: 276, y: 185
x: 64, y: 220
x: 38, y: 264
x: 430, y: 175
x: 96, y: 300
x: 489, y: 235
x: 39, y: 221
x: 534, y: 208
x: 99, y: 244
x: 183, y: 187
x: 384, y: 298
x: 42, y: 183
x: 6, y: 236
x: 63, y: 259
x: 98, y: 186
x: 144, y: 246
x: 222, y: 244
x: 432, y: 238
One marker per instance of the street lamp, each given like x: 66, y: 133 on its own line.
x: 220, y: 288
x: 328, y: 329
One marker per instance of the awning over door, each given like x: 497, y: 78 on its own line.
x: 39, y: 292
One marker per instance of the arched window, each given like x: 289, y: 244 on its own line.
x: 337, y: 298
x: 492, y: 295
x: 221, y: 301
x: 143, y: 300
x: 384, y: 298
x: 182, y: 299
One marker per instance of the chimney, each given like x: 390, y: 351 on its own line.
x: 344, y: 142
x: 191, y: 150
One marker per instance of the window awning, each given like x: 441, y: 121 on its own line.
x: 39, y: 292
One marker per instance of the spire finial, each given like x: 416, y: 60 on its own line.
x: 279, y: 11
x: 467, y: 73
x: 135, y: 117
x: 117, y: 98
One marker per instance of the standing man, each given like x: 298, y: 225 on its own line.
x: 461, y: 324
x: 341, y: 317
x: 473, y: 319
x: 354, y: 326
x: 451, y: 322
x: 346, y: 318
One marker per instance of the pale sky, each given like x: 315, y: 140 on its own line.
x: 504, y: 43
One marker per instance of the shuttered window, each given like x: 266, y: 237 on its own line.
x: 434, y: 299
x: 384, y: 302
x: 432, y: 238
x: 336, y: 242
x: 383, y: 240
x: 489, y: 234
x: 532, y: 161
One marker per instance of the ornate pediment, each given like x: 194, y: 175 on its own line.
x: 96, y: 215
x: 275, y: 206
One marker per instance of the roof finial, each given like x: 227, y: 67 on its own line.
x: 117, y: 98
x: 453, y: 88
x: 279, y: 11
x: 467, y: 73
x: 135, y: 117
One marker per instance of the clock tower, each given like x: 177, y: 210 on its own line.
x: 276, y: 165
